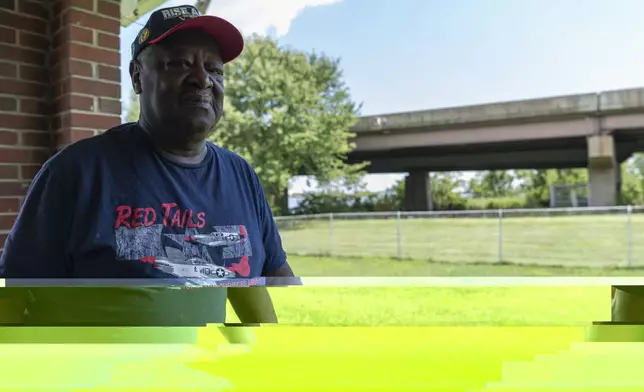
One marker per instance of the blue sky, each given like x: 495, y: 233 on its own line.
x: 404, y: 55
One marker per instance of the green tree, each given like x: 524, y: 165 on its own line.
x: 202, y: 5
x: 536, y: 184
x: 636, y: 163
x: 288, y: 112
x: 492, y: 183
x: 446, y: 191
x: 633, y: 180
x: 134, y: 109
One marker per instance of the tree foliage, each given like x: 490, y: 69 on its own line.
x: 288, y: 113
x: 485, y: 190
x: 202, y: 5
x: 446, y: 190
x: 492, y: 184
x: 134, y: 110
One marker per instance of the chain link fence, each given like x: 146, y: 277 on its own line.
x: 591, y: 236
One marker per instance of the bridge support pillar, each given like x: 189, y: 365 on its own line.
x: 418, y: 191
x: 604, y: 174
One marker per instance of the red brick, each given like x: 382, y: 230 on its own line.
x: 23, y: 55
x: 79, y: 34
x: 28, y: 172
x: 55, y: 58
x: 62, y: 5
x: 61, y: 88
x: 7, y: 35
x: 77, y: 102
x: 109, y: 73
x: 8, y: 4
x: 8, y: 104
x: 109, y: 9
x: 13, y: 188
x: 80, y: 68
x: 94, y: 121
x: 34, y: 107
x: 112, y: 106
x: 33, y: 8
x: 56, y: 88
x: 8, y: 69
x: 23, y: 122
x: 54, y: 24
x: 109, y: 41
x: 36, y: 139
x: 57, y: 8
x: 93, y: 87
x: 8, y: 137
x: 8, y: 171
x: 91, y: 21
x: 6, y: 221
x: 9, y: 204
x: 70, y: 136
x: 89, y: 53
x: 34, y: 41
x: 56, y: 122
x: 22, y: 22
x: 34, y: 74
x: 15, y: 155
x: 72, y: 67
x: 19, y: 87
x: 73, y: 33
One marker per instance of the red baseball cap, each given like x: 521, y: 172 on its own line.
x: 166, y: 21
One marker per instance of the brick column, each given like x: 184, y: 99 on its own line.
x: 85, y: 60
x: 59, y: 83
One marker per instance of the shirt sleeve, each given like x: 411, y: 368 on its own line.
x: 36, y: 245
x: 275, y: 255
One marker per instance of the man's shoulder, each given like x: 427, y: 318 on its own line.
x: 231, y: 157
x: 83, y: 151
x: 102, y: 142
x: 239, y: 168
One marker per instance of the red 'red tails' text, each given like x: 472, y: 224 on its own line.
x: 169, y: 214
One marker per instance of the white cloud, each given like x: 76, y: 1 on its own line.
x: 258, y: 16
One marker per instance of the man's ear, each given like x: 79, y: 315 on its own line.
x: 135, y: 75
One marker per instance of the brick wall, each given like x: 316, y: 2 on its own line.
x: 59, y: 83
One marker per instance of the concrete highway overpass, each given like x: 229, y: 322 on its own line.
x: 596, y: 130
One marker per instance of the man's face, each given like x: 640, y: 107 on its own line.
x: 181, y: 83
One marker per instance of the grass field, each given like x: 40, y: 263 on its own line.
x: 401, y: 306
x: 370, y: 266
x: 593, y: 241
x: 390, y: 339
x: 373, y: 306
x: 441, y: 338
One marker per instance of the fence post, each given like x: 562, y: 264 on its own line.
x: 629, y: 234
x: 398, y: 236
x: 500, y: 236
x: 331, y: 234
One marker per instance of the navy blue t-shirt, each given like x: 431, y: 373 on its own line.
x: 113, y: 207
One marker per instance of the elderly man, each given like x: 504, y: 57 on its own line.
x: 150, y: 200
